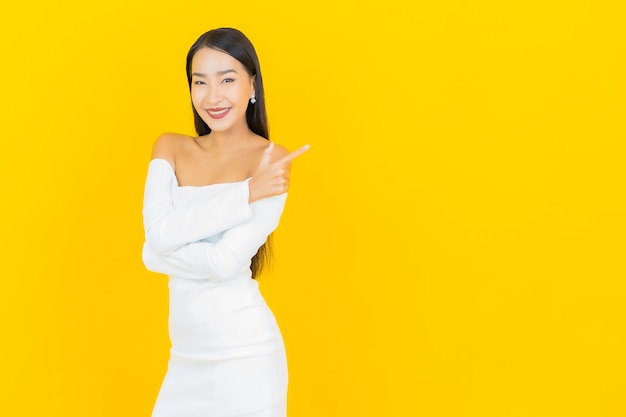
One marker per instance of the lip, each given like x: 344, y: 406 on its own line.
x: 218, y: 113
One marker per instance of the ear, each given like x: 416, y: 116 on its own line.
x: 253, y: 86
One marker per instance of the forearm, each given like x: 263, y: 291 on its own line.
x: 225, y: 258
x: 211, y: 211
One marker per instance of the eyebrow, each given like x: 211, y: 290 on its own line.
x: 223, y: 72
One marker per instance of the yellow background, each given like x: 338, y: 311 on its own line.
x: 453, y: 244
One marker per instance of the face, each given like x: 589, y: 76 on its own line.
x: 220, y: 89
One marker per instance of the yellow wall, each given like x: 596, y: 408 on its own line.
x: 453, y: 244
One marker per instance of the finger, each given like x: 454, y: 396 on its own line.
x: 293, y: 155
x: 267, y: 154
x: 285, y: 185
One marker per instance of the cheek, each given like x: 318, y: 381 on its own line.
x: 197, y: 96
x: 244, y: 93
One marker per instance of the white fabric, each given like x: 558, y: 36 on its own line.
x: 227, y: 357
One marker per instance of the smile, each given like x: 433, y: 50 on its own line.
x: 218, y: 113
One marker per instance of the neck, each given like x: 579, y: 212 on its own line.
x: 228, y: 139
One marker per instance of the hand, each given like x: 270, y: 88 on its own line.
x: 271, y: 179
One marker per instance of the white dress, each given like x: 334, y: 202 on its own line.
x: 227, y: 357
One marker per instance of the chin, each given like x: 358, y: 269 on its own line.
x: 219, y: 128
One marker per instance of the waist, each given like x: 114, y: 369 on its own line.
x: 213, y: 297
x: 204, y: 315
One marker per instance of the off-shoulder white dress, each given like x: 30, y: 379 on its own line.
x: 227, y: 357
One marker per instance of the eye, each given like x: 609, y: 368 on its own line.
x: 228, y: 80
x: 198, y: 82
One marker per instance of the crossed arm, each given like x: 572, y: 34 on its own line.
x: 174, y: 237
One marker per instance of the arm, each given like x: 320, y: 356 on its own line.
x: 228, y: 256
x: 213, y: 211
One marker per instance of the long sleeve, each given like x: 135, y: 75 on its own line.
x: 211, y: 211
x: 226, y: 258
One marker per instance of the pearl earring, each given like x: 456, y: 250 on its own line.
x: 253, y: 100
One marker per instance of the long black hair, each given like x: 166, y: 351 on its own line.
x: 234, y: 43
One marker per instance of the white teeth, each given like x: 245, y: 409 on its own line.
x: 219, y: 112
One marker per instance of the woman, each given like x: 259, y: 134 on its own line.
x: 210, y: 203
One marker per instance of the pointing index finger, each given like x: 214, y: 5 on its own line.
x: 291, y: 156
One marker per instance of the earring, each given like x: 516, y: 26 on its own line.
x: 253, y: 100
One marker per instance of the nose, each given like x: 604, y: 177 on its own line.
x: 213, y: 96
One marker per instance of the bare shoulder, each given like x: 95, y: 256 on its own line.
x: 259, y: 145
x: 168, y: 145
